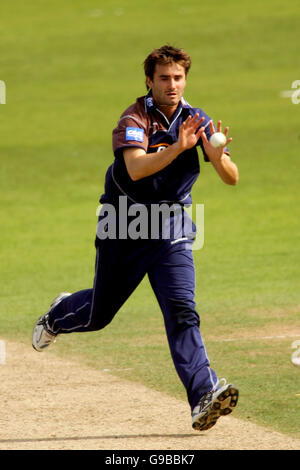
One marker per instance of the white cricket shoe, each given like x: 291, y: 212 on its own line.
x: 42, y: 335
x: 213, y: 405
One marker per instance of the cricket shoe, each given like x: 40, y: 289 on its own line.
x: 42, y: 335
x: 213, y: 405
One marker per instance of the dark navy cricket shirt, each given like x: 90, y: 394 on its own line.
x: 144, y: 125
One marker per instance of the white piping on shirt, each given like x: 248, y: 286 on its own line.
x: 174, y: 202
x: 175, y: 119
x: 134, y: 119
x: 178, y: 240
x: 170, y: 125
x: 119, y: 187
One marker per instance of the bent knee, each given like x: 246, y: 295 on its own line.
x: 98, y: 322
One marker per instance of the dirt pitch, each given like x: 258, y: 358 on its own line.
x: 50, y: 404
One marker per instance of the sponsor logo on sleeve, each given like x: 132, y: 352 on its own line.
x: 135, y: 133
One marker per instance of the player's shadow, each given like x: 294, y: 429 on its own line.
x: 95, y: 438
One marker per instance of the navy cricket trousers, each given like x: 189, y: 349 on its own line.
x: 120, y: 267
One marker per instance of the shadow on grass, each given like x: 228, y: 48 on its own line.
x: 89, y: 438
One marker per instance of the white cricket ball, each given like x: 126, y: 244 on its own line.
x: 218, y: 139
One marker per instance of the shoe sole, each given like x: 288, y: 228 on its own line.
x: 34, y: 333
x: 54, y: 302
x: 40, y: 348
x: 222, y: 405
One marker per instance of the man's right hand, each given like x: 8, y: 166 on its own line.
x: 188, y: 137
x: 140, y: 164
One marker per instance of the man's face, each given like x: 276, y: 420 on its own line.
x: 168, y: 84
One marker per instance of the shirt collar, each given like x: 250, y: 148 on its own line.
x: 150, y: 105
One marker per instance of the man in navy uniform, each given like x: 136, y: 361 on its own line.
x: 156, y: 162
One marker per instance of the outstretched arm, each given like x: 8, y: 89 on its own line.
x: 227, y: 170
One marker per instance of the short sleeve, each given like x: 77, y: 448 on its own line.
x: 130, y: 132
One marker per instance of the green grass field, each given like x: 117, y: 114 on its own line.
x: 70, y: 69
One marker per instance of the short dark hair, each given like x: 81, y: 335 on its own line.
x: 166, y: 55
